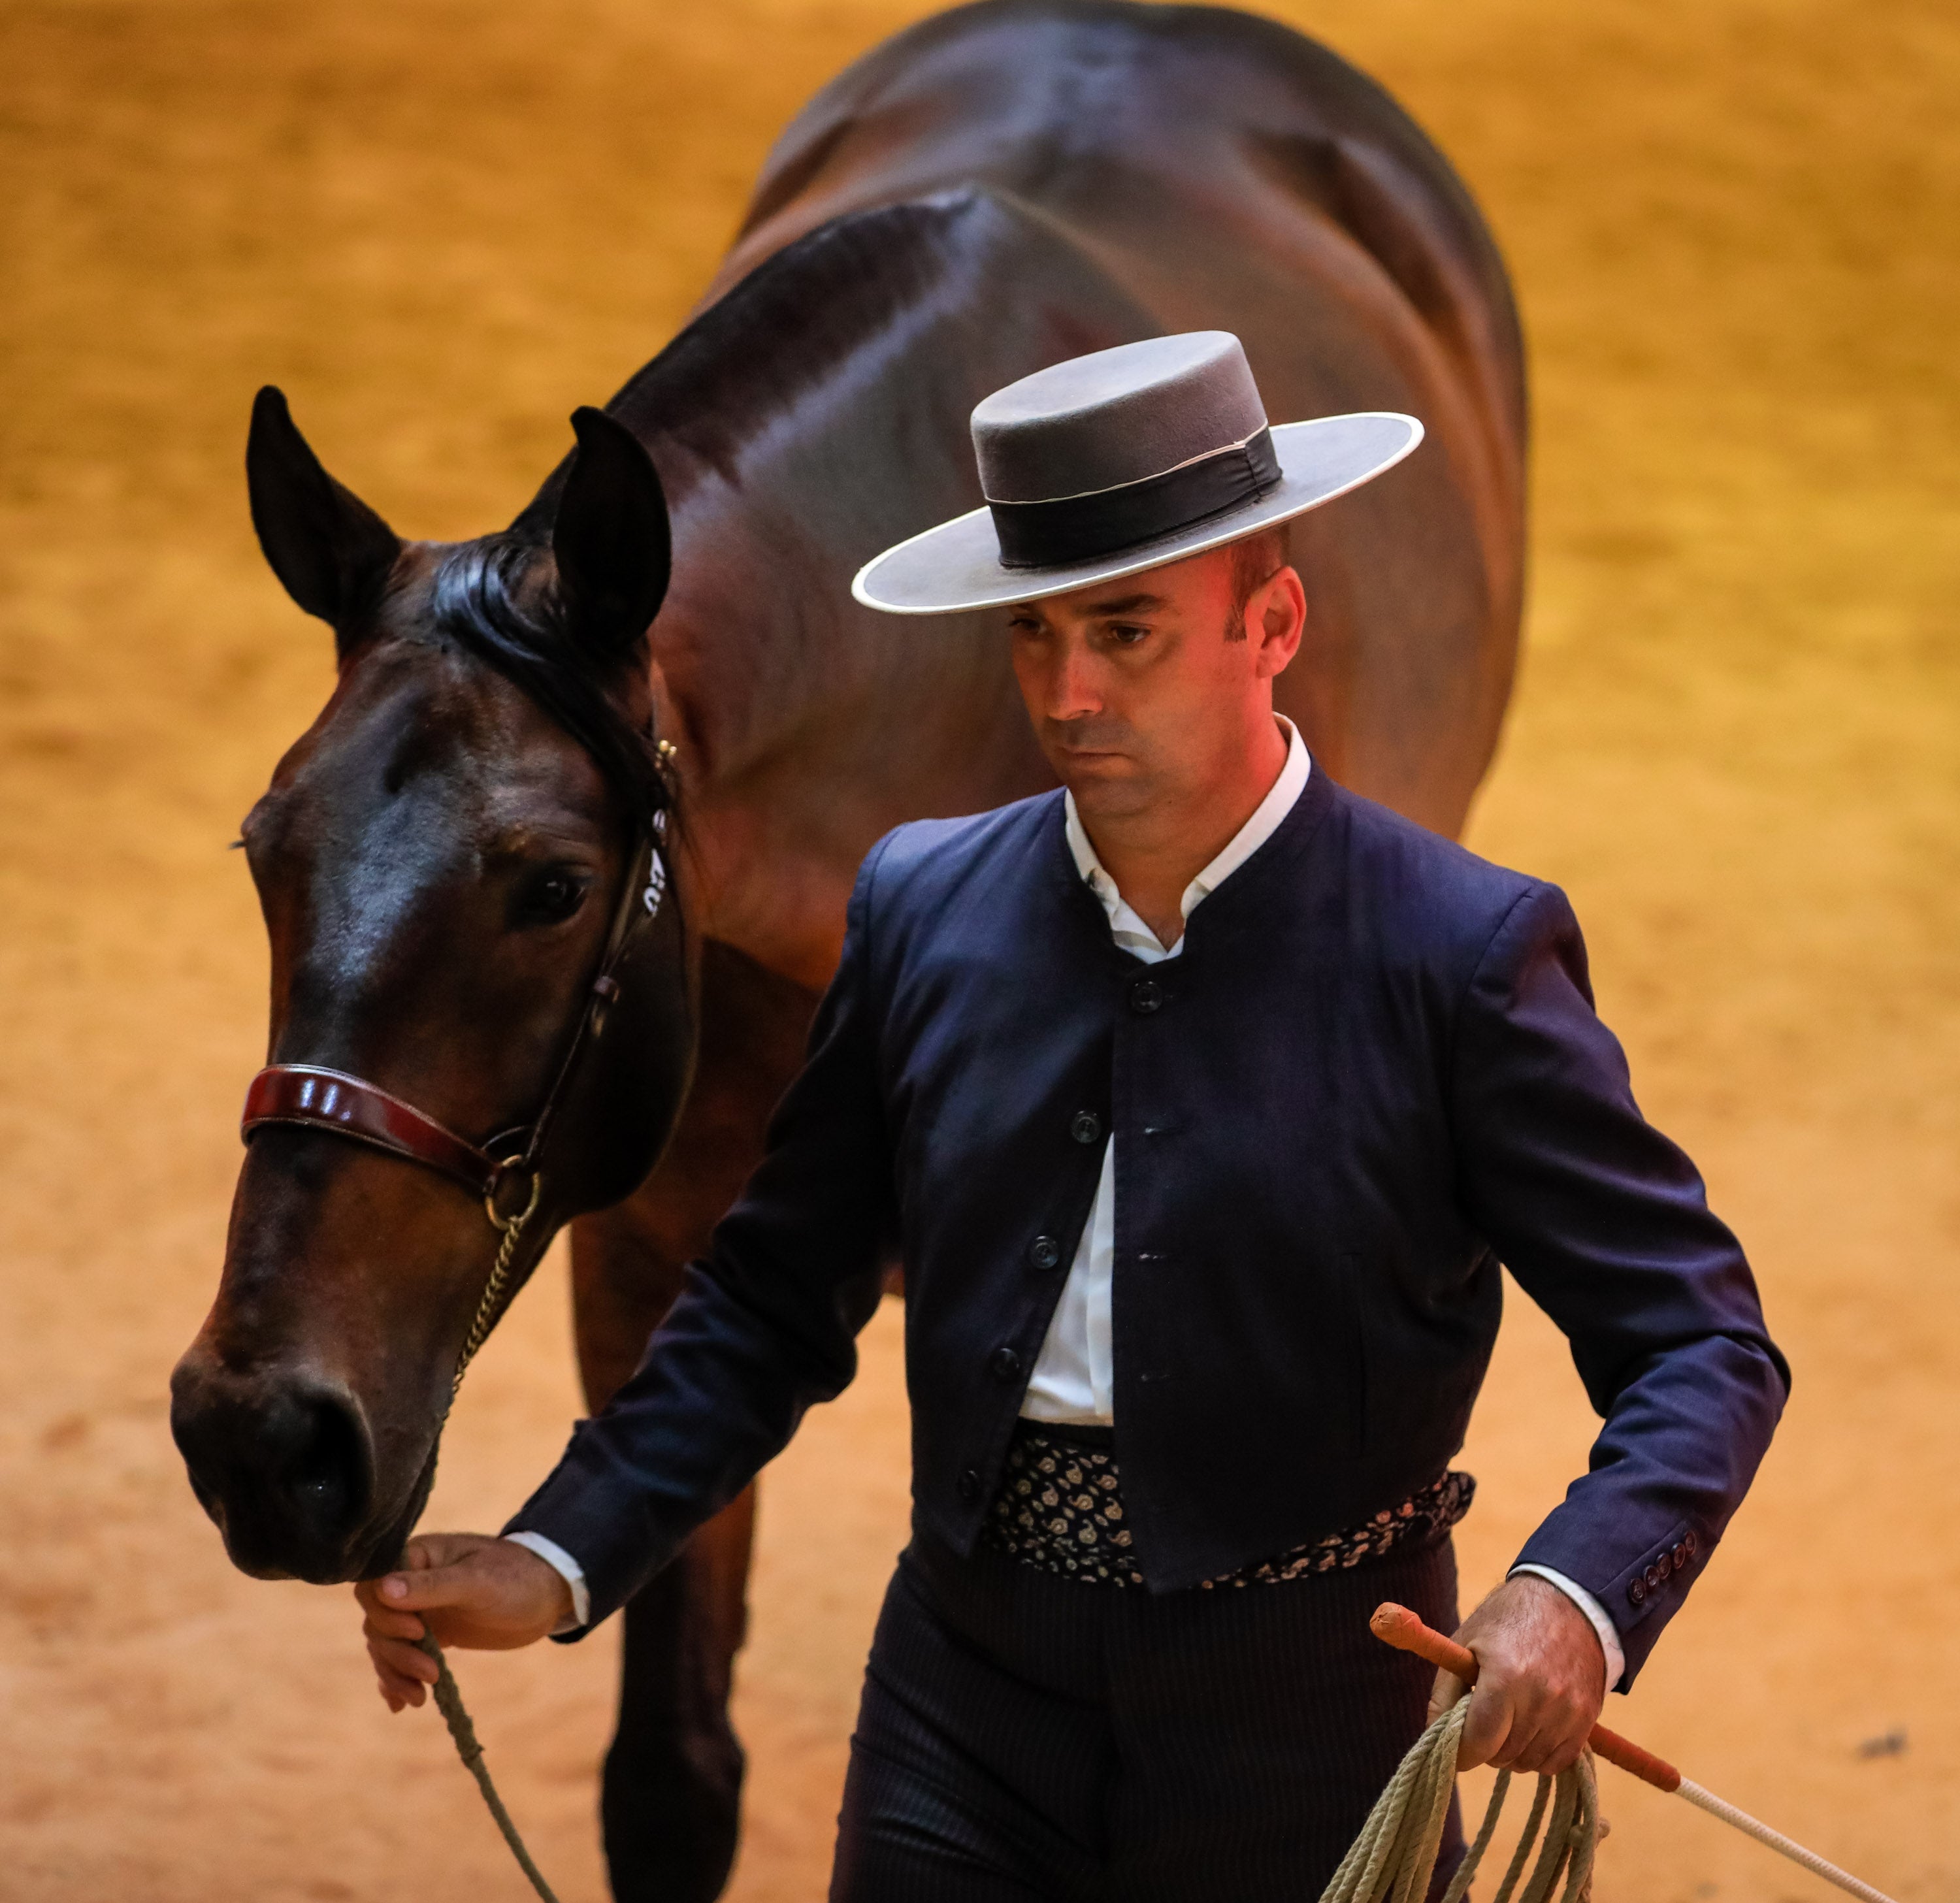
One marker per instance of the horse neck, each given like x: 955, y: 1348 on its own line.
x: 814, y: 415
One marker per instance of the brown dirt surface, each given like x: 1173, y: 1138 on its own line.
x: 441, y: 223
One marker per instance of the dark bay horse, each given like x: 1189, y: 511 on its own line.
x: 440, y: 855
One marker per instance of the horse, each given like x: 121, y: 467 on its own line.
x: 656, y: 673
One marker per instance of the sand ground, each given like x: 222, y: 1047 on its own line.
x: 440, y: 224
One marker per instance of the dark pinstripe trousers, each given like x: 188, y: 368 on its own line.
x: 1025, y: 1736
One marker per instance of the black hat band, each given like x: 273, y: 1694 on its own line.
x: 1075, y: 528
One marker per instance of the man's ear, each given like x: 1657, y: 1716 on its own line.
x: 1279, y: 619
x: 333, y: 552
x: 611, y: 538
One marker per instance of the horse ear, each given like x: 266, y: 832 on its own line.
x: 331, y: 550
x: 611, y: 538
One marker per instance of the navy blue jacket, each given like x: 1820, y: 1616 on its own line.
x: 1373, y: 1073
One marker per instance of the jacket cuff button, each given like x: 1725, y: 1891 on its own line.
x: 1688, y: 1540
x: 1637, y: 1591
x: 968, y: 1486
x: 1681, y: 1558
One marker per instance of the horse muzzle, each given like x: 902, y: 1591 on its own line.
x: 284, y: 1464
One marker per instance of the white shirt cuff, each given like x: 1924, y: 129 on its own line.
x: 1609, y: 1638
x: 567, y: 1569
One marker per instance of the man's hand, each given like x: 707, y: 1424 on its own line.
x: 1541, y: 1682
x: 477, y: 1591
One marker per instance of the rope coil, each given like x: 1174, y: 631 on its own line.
x: 1394, y: 1858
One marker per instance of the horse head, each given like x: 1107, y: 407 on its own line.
x: 463, y: 866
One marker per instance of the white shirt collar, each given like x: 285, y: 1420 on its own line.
x: 1124, y: 922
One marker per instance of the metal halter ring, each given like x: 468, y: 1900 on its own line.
x: 510, y: 1224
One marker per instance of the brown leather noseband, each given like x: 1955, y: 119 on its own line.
x: 310, y: 1093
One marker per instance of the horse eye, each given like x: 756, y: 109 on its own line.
x: 551, y: 897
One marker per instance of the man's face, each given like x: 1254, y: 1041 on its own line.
x: 1136, y: 693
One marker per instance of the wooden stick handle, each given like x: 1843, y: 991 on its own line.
x: 1396, y: 1625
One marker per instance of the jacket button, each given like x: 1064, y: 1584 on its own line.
x: 1146, y: 995
x: 1045, y: 1251
x: 1688, y: 1540
x: 1664, y: 1566
x: 1636, y: 1589
x: 1085, y: 1126
x: 968, y: 1485
x: 1653, y: 1578
x: 1003, y: 1364
x: 1681, y: 1558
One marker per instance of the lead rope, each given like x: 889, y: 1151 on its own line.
x: 1393, y: 1859
x: 449, y: 1702
x: 448, y: 1698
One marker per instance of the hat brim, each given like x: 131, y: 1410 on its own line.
x: 957, y: 565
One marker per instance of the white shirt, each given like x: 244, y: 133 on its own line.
x: 1073, y: 1377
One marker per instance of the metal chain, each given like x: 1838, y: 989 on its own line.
x: 488, y: 1308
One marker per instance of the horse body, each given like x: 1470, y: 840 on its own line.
x: 999, y: 189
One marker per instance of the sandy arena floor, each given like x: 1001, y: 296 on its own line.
x: 440, y: 224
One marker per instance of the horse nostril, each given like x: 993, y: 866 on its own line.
x: 283, y: 1468
x: 325, y: 1476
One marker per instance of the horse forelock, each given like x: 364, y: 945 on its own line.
x: 491, y: 598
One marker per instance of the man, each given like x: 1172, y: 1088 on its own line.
x: 1203, y: 1099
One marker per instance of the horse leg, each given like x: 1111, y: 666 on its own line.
x: 670, y: 1796
x: 671, y: 1793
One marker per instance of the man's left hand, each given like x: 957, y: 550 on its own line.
x: 1541, y: 1684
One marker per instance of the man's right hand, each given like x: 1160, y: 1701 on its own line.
x: 471, y: 1590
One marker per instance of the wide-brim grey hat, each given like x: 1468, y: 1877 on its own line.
x: 1123, y: 460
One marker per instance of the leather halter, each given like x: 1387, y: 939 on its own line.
x: 315, y: 1097
x: 310, y: 1093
